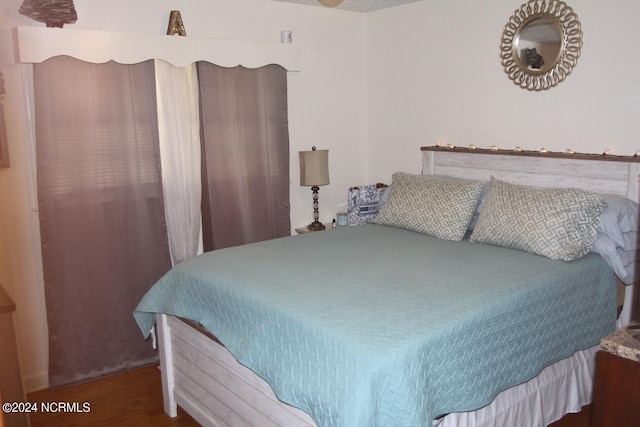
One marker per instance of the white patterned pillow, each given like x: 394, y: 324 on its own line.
x: 559, y: 223
x: 438, y: 207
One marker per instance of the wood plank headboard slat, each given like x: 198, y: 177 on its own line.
x: 597, y: 173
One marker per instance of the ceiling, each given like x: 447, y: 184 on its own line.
x: 356, y: 5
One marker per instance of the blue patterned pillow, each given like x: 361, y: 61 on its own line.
x: 363, y: 203
x: 430, y: 205
x: 559, y: 223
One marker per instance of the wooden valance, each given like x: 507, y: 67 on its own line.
x: 37, y: 44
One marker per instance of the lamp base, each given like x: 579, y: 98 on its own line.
x: 316, y: 226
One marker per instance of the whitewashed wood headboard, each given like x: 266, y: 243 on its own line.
x: 619, y: 175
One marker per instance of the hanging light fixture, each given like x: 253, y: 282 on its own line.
x: 330, y: 3
x: 55, y: 13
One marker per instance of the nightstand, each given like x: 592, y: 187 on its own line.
x: 616, y: 397
x: 304, y: 230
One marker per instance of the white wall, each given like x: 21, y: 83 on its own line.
x: 20, y: 256
x: 326, y: 100
x: 434, y: 73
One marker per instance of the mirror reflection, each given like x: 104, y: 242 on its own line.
x: 538, y: 45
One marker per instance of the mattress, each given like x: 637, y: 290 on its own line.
x: 378, y: 326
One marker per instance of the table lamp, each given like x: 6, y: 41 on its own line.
x: 314, y: 172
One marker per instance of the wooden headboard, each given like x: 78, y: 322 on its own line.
x: 619, y: 175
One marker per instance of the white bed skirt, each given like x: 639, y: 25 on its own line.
x: 562, y: 388
x: 204, y: 378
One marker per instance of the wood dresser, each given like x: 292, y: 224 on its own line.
x: 11, y: 386
x: 616, y: 399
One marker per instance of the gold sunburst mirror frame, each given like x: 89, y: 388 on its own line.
x: 549, y: 27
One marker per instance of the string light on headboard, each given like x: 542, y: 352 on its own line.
x: 608, y: 152
x: 494, y: 149
x: 443, y: 145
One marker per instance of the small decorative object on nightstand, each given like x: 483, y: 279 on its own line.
x: 314, y: 171
x: 305, y: 229
x: 616, y: 397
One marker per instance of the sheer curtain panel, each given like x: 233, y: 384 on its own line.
x: 104, y: 236
x: 245, y: 154
x: 179, y: 129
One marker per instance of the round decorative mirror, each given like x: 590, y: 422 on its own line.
x: 540, y: 44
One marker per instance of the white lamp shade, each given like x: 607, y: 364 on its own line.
x: 314, y: 167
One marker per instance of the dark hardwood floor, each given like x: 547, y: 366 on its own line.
x: 581, y: 419
x: 135, y: 399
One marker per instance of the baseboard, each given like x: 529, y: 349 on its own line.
x: 36, y: 382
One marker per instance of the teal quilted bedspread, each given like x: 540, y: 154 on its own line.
x: 376, y: 326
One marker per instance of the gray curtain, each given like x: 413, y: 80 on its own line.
x: 245, y: 167
x: 104, y: 237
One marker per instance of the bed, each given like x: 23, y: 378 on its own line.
x: 385, y: 324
